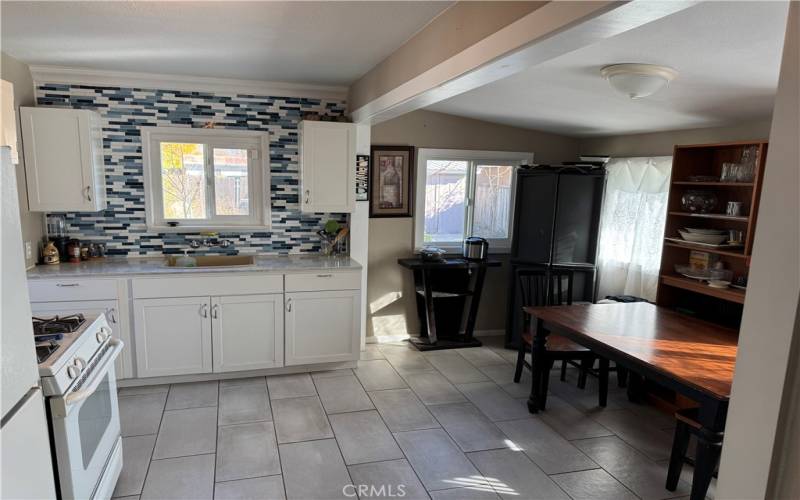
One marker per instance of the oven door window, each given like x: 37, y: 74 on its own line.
x: 94, y: 418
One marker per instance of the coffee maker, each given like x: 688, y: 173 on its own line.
x: 57, y: 233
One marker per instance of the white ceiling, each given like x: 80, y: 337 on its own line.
x: 728, y: 55
x: 327, y: 43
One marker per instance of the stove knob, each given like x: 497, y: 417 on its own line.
x: 80, y: 363
x: 102, y: 335
x: 73, y: 371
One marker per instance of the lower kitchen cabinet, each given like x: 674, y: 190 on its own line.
x: 322, y: 327
x: 173, y: 336
x: 247, y: 332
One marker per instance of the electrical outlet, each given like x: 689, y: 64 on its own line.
x: 28, y: 251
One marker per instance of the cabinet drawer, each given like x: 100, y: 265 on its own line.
x: 342, y: 280
x: 199, y: 286
x: 70, y: 289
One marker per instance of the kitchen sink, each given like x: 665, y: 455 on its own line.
x: 215, y: 260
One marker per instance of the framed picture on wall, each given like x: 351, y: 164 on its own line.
x: 362, y: 177
x: 392, y: 180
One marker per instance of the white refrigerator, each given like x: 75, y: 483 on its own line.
x: 25, y: 457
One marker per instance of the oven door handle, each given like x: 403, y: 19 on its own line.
x: 100, y: 373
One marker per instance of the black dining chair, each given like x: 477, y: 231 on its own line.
x: 687, y: 425
x: 548, y: 287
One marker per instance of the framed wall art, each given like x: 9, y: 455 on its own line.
x: 362, y: 177
x: 391, y: 181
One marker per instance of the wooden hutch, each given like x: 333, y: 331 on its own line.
x: 705, y: 161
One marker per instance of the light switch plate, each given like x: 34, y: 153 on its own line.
x: 28, y: 251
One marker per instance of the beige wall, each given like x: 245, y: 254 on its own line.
x: 18, y: 73
x: 390, y: 294
x: 662, y: 143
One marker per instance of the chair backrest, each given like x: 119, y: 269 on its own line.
x: 544, y: 287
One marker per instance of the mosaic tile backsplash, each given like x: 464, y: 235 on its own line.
x: 122, y: 225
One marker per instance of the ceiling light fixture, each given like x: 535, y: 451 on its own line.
x: 638, y: 80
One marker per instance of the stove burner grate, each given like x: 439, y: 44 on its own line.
x: 56, y: 325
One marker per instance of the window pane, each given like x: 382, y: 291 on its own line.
x: 492, y: 201
x: 445, y: 200
x: 231, y: 182
x: 183, y: 180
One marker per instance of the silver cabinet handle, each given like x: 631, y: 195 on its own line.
x: 89, y: 193
x: 68, y: 284
x: 215, y: 311
x: 324, y: 276
x: 289, y: 305
x: 308, y: 196
x: 112, y: 315
x: 204, y: 310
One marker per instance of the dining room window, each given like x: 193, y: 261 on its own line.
x: 461, y: 193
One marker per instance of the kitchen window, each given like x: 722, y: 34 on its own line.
x: 205, y: 179
x: 466, y: 193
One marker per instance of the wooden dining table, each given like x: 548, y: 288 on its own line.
x: 694, y: 358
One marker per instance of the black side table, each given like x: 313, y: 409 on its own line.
x: 443, y: 289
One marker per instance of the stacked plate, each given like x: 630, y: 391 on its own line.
x: 707, y: 236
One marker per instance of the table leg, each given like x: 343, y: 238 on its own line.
x: 712, y: 418
x: 427, y: 286
x: 603, y: 386
x: 474, y: 301
x: 538, y: 353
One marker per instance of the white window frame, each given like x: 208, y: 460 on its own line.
x: 474, y: 158
x: 257, y: 145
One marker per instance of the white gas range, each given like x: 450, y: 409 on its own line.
x: 76, y: 365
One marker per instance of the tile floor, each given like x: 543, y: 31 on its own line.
x: 438, y: 425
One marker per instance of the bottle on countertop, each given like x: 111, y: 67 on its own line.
x: 74, y: 251
x: 50, y: 254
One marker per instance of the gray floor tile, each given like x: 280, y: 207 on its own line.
x: 482, y: 356
x: 257, y: 488
x: 437, y: 460
x: 342, y: 394
x: 247, y: 450
x: 638, y: 473
x: 570, y: 422
x: 477, y: 493
x: 402, y: 410
x: 432, y: 388
x: 329, y: 477
x: 291, y: 386
x: 548, y: 449
x: 180, y: 478
x: 136, y: 454
x: 378, y: 375
x: 371, y: 351
x: 192, y: 395
x: 141, y: 414
x: 582, y: 399
x: 231, y: 382
x: 455, y: 368
x: 244, y: 403
x: 300, y: 419
x: 132, y: 497
x: 503, y: 374
x: 187, y: 432
x: 331, y: 373
x: 513, y: 476
x: 638, y: 432
x: 468, y: 427
x: 687, y: 476
x: 144, y: 389
x: 394, y: 475
x: 595, y: 484
x: 494, y: 402
x: 406, y: 361
x: 363, y: 437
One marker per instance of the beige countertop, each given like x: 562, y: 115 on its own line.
x: 120, y: 266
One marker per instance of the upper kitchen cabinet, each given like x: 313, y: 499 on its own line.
x: 327, y: 167
x: 63, y: 159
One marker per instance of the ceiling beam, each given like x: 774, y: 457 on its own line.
x: 545, y: 33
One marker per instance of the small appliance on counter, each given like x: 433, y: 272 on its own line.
x: 57, y: 233
x: 431, y: 254
x: 475, y: 248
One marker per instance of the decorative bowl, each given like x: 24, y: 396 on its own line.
x: 709, y: 239
x: 697, y: 201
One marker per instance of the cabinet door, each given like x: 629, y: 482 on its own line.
x: 327, y: 167
x: 61, y: 158
x: 108, y: 307
x: 247, y: 332
x: 172, y: 335
x: 322, y: 327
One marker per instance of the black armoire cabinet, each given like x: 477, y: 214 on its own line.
x: 556, y: 223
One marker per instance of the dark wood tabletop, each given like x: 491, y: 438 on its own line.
x: 696, y: 353
x: 449, y: 262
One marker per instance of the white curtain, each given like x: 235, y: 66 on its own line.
x: 632, y: 226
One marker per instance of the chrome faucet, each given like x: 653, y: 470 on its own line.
x: 208, y: 242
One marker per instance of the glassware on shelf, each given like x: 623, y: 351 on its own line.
x: 698, y: 201
x: 747, y: 166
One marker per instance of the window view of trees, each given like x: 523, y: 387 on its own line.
x: 492, y: 201
x: 230, y: 182
x: 183, y: 180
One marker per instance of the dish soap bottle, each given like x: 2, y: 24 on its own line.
x: 186, y: 260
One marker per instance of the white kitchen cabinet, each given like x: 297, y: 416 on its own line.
x: 322, y: 327
x: 91, y: 307
x: 247, y: 332
x: 327, y: 167
x: 63, y: 159
x: 173, y: 336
